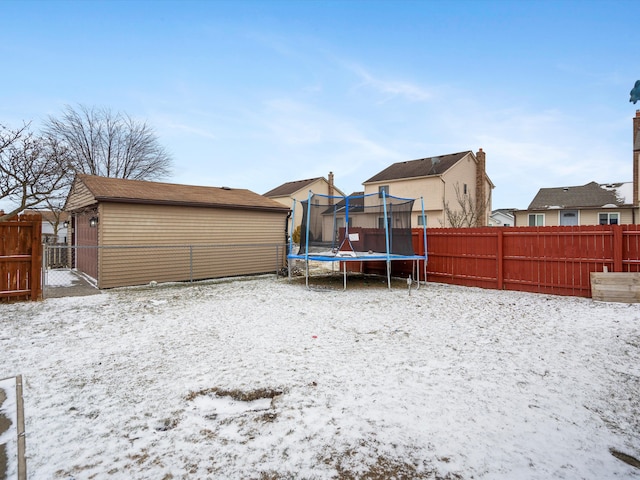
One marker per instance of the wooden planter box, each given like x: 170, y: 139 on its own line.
x: 615, y: 287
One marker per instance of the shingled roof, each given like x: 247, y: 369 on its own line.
x: 422, y: 167
x: 291, y: 187
x: 591, y: 195
x: 158, y: 193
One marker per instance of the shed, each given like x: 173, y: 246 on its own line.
x: 132, y: 232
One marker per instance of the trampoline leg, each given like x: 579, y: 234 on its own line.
x: 306, y: 273
x: 389, y: 274
x: 344, y: 287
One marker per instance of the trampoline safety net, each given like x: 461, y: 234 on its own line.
x: 357, y: 225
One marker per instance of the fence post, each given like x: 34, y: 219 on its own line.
x: 500, y: 259
x: 617, y: 248
x: 36, y: 257
x: 44, y: 270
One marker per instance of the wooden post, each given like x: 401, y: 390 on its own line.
x: 500, y: 259
x: 36, y: 257
x: 617, y: 248
x: 22, y: 460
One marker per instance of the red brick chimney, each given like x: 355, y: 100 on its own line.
x: 636, y: 158
x: 481, y: 190
x: 331, y: 188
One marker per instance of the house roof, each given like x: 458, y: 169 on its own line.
x: 139, y: 191
x: 422, y: 167
x: 49, y: 216
x: 356, y: 204
x: 291, y: 187
x: 591, y: 195
x: 505, y: 211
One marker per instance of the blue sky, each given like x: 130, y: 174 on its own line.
x: 251, y: 94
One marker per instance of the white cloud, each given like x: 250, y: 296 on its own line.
x: 391, y: 88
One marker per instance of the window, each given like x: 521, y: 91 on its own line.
x: 464, y: 189
x: 381, y: 222
x: 422, y: 220
x: 383, y: 189
x: 609, y: 218
x: 536, y: 219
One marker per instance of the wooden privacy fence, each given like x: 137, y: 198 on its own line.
x: 21, y: 258
x: 554, y: 260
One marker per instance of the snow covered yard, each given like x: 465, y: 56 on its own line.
x: 263, y: 379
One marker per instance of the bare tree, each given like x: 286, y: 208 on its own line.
x: 31, y: 168
x: 54, y: 204
x: 110, y: 144
x: 468, y: 212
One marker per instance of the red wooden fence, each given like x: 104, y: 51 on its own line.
x: 21, y: 258
x: 554, y: 260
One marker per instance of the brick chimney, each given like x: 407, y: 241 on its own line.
x: 331, y: 188
x: 636, y: 158
x: 481, y: 191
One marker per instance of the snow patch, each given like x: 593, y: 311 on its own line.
x: 448, y: 382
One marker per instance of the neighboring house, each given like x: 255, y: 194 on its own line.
x: 502, y: 217
x: 297, y: 191
x: 449, y: 184
x: 54, y: 230
x: 590, y: 204
x: 111, y: 213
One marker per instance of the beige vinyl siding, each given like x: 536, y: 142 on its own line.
x: 464, y: 172
x: 320, y: 186
x: 430, y: 188
x: 550, y: 217
x: 586, y: 216
x: 218, y: 235
x: 591, y: 217
x: 79, y: 197
x: 436, y: 191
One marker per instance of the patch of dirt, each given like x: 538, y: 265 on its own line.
x: 383, y: 469
x: 239, y: 395
x: 5, y: 423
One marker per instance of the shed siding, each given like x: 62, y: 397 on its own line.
x: 217, y: 234
x: 79, y: 197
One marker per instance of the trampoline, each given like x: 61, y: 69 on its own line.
x: 358, y: 228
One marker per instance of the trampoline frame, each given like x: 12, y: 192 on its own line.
x: 353, y: 256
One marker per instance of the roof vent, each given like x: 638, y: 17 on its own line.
x: 565, y: 189
x: 226, y: 188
